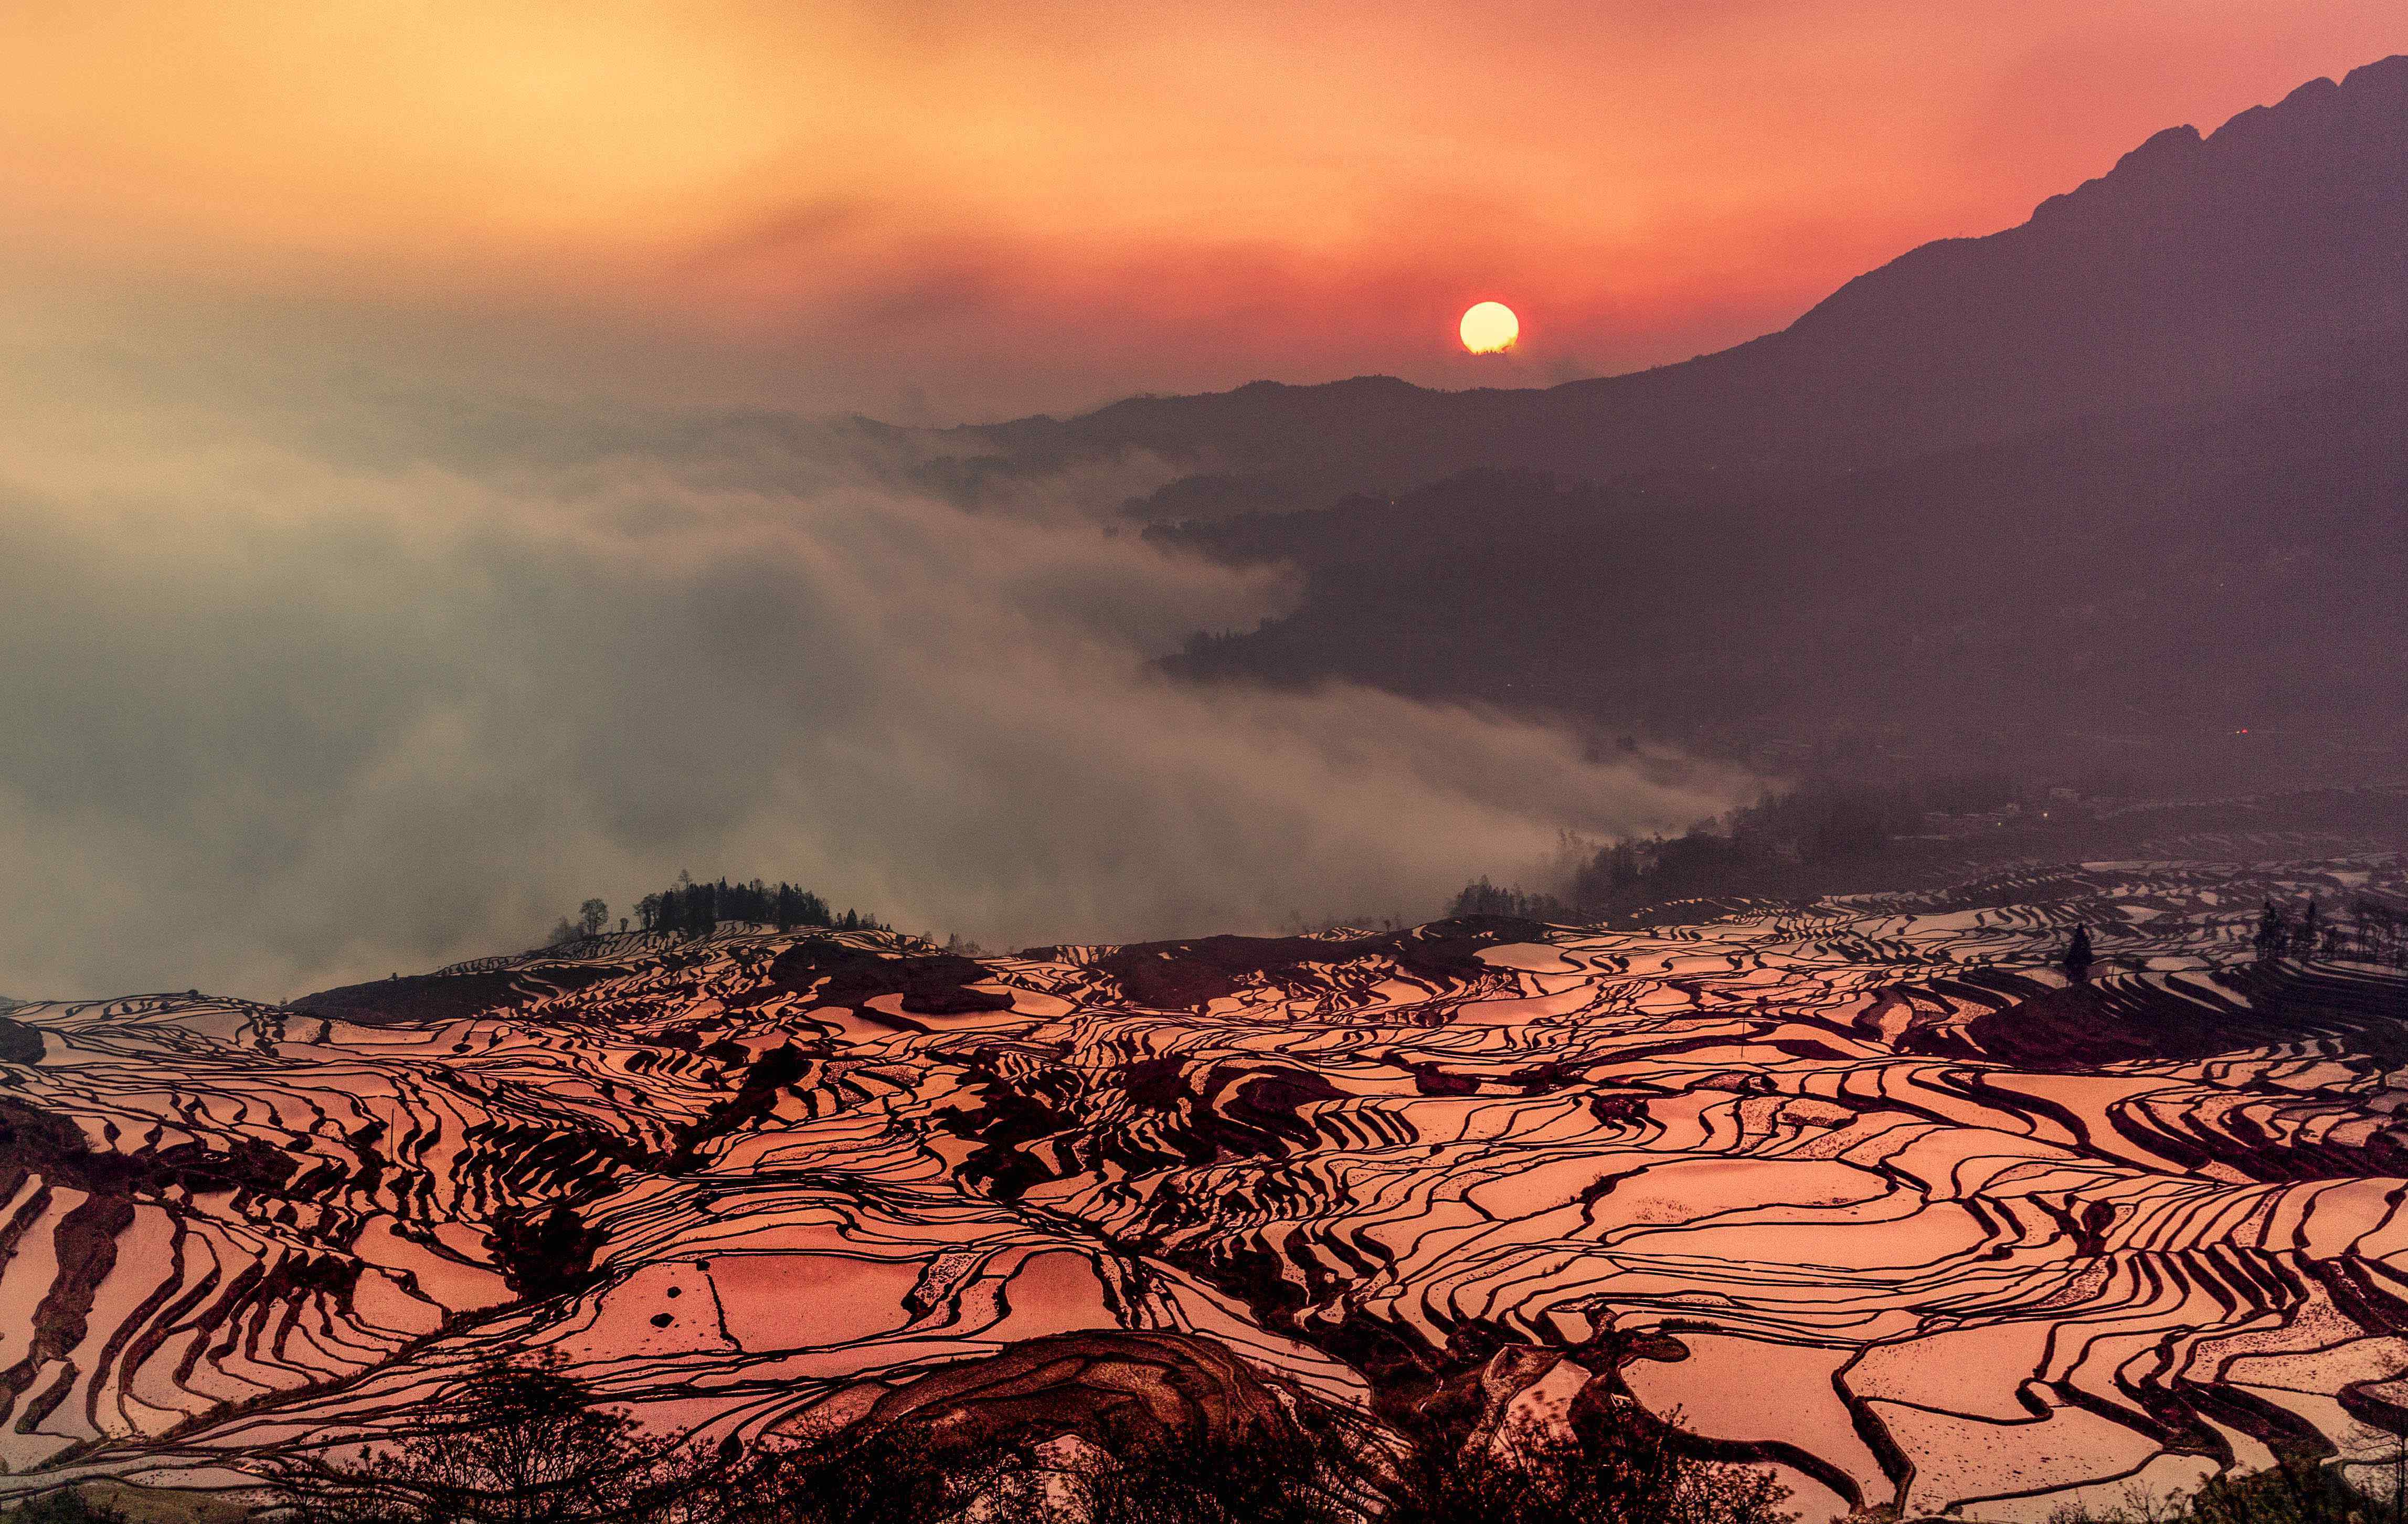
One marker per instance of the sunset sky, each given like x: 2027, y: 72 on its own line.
x: 936, y: 211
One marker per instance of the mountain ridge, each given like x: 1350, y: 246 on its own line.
x: 2113, y: 595
x: 2301, y: 225
x: 2121, y: 481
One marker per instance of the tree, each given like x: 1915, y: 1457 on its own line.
x: 2078, y: 957
x: 1271, y: 1473
x: 515, y: 1445
x: 543, y: 1254
x: 2274, y: 933
x: 592, y: 917
x: 696, y: 909
x: 897, y: 1473
x: 1603, y: 1469
x: 1483, y: 898
x: 66, y: 1507
x: 2296, y: 1490
x: 927, y: 1469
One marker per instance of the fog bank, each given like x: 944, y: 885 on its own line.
x: 305, y: 690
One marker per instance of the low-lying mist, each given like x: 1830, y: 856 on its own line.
x: 305, y: 690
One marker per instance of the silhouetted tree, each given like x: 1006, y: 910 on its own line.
x: 897, y: 1473
x: 2274, y: 933
x: 1276, y: 1471
x: 513, y: 1444
x: 1792, y: 842
x: 1602, y: 1470
x: 1483, y: 898
x: 2296, y: 1490
x: 696, y: 909
x: 545, y: 1252
x: 592, y: 916
x: 2078, y: 957
x: 2376, y: 932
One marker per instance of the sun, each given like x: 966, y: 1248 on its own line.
x: 1490, y: 329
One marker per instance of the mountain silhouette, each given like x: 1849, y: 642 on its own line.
x: 2199, y: 266
x: 2183, y: 594
x: 2119, y: 490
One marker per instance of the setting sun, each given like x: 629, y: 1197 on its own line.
x: 1490, y: 329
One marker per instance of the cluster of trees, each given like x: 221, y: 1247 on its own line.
x: 1801, y: 843
x: 1788, y: 843
x: 1482, y: 898
x: 531, y: 1445
x: 65, y: 1507
x: 695, y: 908
x: 2367, y: 930
x: 2296, y: 1490
x: 593, y: 919
x: 1597, y: 1472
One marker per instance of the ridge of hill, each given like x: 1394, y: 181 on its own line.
x: 2205, y: 596
x: 2200, y: 265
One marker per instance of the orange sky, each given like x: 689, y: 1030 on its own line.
x: 931, y: 208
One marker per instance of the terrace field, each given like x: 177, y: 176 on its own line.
x: 1864, y: 1189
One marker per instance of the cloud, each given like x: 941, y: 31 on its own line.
x: 1027, y: 207
x: 294, y: 705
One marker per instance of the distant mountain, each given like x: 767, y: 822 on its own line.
x: 2120, y: 492
x: 2198, y: 267
x: 2183, y: 595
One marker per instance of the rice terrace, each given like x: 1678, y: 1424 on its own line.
x: 1998, y: 1234
x: 1589, y: 762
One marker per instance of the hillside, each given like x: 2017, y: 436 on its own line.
x: 2095, y: 496
x: 1985, y: 1235
x: 2123, y: 595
